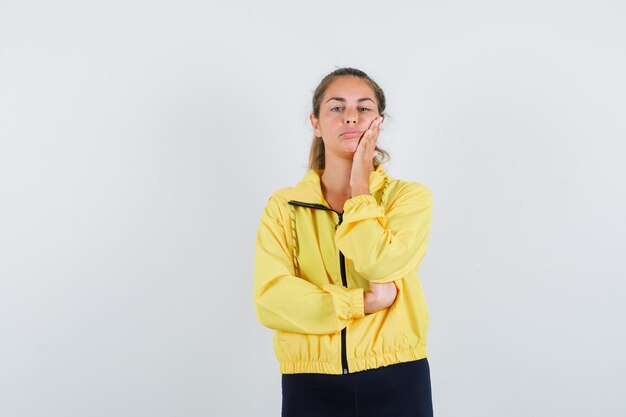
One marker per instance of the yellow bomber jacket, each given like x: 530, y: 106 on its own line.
x: 312, y: 265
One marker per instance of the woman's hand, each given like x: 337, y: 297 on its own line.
x: 379, y: 297
x: 363, y: 159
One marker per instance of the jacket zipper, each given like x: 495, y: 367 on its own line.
x: 344, y: 279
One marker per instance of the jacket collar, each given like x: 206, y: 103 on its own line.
x: 309, y: 189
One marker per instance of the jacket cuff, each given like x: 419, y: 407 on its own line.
x: 357, y: 307
x: 361, y: 207
x: 347, y: 301
x: 359, y: 200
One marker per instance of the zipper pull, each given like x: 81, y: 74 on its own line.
x: 340, y: 220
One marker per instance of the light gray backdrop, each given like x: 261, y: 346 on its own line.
x: 140, y: 140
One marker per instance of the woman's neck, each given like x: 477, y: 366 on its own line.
x: 335, y: 179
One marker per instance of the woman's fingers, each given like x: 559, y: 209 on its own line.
x: 380, y: 296
x: 385, y: 292
x: 375, y: 132
x: 371, y: 137
x: 364, y: 154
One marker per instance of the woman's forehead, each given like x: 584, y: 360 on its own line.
x: 351, y: 89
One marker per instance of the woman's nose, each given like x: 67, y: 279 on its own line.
x: 351, y: 117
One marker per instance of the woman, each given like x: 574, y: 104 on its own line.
x: 336, y: 261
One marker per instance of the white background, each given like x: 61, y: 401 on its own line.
x: 140, y: 140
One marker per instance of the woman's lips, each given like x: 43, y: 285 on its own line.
x: 351, y: 134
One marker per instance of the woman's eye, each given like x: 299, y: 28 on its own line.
x: 362, y: 108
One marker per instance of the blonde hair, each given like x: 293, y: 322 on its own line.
x: 316, y: 153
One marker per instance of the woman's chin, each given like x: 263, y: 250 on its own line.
x: 350, y: 145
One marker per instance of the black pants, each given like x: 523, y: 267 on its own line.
x: 400, y: 390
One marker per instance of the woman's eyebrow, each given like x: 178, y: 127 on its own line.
x: 343, y: 99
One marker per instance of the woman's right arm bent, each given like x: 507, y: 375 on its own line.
x: 284, y: 301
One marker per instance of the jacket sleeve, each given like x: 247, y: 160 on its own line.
x: 284, y: 301
x: 385, y: 246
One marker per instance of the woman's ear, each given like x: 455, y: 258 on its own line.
x: 315, y: 124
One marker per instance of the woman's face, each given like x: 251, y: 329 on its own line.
x: 349, y: 105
